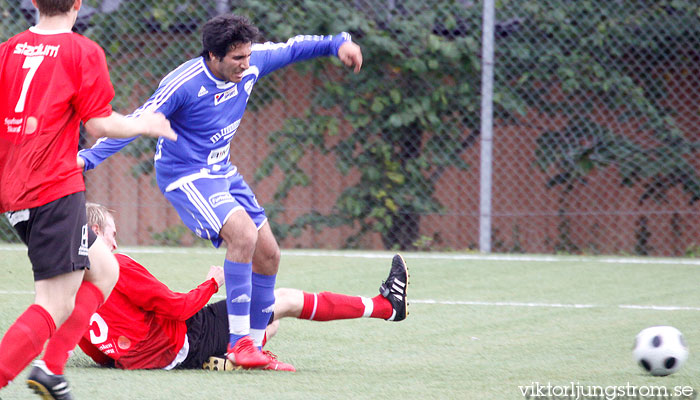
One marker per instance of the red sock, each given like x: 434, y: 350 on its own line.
x: 23, y: 341
x: 327, y: 306
x: 382, y: 307
x: 87, y: 300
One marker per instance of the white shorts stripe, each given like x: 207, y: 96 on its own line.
x: 218, y: 225
x: 193, y: 177
x: 196, y: 199
x: 201, y: 226
x: 205, y: 209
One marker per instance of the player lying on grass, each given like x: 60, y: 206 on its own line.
x: 144, y: 324
x: 205, y: 99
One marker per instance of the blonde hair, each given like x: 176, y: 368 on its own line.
x: 97, y: 214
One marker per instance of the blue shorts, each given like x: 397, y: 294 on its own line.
x: 204, y: 202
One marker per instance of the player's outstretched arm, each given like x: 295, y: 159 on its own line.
x: 118, y: 126
x: 100, y: 151
x: 350, y: 54
x: 269, y: 57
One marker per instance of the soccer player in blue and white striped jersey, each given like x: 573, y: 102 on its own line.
x: 204, y: 99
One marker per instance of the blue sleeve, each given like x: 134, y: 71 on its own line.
x: 271, y: 56
x: 101, y: 150
x: 164, y: 100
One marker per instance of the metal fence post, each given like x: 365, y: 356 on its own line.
x: 486, y: 159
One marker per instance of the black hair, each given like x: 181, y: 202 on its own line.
x: 54, y: 7
x: 224, y: 32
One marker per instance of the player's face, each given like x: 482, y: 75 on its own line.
x: 233, y: 65
x: 109, y: 233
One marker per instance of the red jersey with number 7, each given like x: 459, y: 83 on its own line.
x: 50, y: 81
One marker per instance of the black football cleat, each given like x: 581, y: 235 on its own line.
x: 48, y: 385
x: 394, y: 288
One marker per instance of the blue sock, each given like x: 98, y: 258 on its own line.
x: 238, y: 292
x: 262, y: 304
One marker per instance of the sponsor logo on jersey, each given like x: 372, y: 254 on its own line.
x: 220, y: 198
x: 202, y: 91
x: 244, y: 298
x: 217, y: 155
x: 226, y: 131
x: 106, y: 348
x: 14, y: 125
x: 227, y: 95
x: 38, y: 50
x: 249, y: 86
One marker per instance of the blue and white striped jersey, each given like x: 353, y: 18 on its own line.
x: 205, y: 112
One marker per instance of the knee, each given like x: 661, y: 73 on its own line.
x: 242, y: 237
x: 282, y: 295
x: 267, y: 261
x: 272, y: 257
x: 60, y: 308
x: 288, y: 303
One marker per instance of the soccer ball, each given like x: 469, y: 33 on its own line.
x: 660, y: 350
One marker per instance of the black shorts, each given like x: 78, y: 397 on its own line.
x: 207, y: 334
x: 56, y: 234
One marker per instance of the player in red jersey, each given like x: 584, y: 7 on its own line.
x: 144, y: 324
x: 52, y: 79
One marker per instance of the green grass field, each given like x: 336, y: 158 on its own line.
x: 479, y: 328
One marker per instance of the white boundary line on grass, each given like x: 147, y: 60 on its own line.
x: 421, y: 256
x: 535, y: 305
x: 446, y: 256
x: 555, y: 305
x: 486, y: 303
x: 495, y: 257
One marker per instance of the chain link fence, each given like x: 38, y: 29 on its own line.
x: 595, y: 134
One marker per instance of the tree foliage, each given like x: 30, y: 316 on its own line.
x: 414, y: 108
x: 412, y: 111
x: 605, y: 56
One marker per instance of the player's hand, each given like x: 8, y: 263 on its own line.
x: 217, y: 273
x: 350, y: 54
x: 156, y: 125
x: 81, y: 163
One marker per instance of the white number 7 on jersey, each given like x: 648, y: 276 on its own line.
x: 32, y: 63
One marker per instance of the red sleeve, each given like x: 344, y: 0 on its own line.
x: 147, y: 292
x: 92, y: 351
x: 96, y: 91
